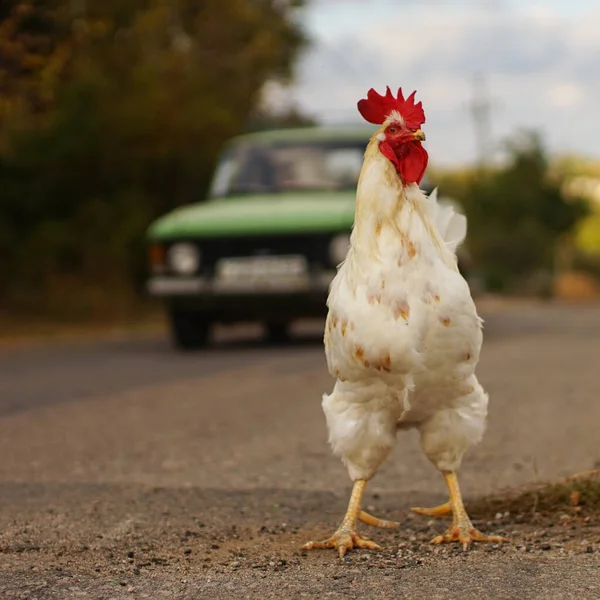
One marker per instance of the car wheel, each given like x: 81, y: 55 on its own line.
x: 189, y: 329
x: 278, y: 333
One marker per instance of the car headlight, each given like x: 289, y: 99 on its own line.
x: 183, y: 258
x: 338, y: 248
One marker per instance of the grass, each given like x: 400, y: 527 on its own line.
x: 578, y: 494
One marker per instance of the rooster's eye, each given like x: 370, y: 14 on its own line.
x: 392, y: 129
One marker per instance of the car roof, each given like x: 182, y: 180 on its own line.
x: 314, y: 133
x: 359, y: 133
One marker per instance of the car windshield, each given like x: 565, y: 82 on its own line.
x: 271, y: 169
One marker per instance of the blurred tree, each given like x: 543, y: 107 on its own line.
x: 138, y: 98
x: 34, y: 51
x: 268, y: 119
x: 516, y: 215
x: 588, y: 234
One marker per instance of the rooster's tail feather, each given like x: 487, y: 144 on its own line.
x: 451, y: 225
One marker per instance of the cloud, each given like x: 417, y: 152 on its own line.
x: 566, y: 95
x: 541, y: 69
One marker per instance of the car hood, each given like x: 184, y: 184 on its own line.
x: 260, y: 214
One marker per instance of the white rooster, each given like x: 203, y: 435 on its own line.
x: 402, y: 336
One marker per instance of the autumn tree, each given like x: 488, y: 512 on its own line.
x: 135, y: 100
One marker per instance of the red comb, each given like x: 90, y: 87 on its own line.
x: 376, y: 108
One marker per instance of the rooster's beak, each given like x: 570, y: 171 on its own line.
x: 419, y: 135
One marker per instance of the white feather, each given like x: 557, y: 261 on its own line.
x: 451, y: 224
x: 402, y: 335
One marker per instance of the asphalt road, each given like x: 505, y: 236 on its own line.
x: 130, y: 470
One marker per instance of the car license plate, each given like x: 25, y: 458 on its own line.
x: 261, y: 272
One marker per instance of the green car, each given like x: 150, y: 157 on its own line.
x: 265, y: 244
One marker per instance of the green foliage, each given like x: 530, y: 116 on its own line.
x: 139, y: 96
x: 516, y: 214
x: 588, y: 235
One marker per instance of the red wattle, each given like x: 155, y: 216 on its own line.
x: 389, y: 153
x: 410, y: 161
x: 413, y: 165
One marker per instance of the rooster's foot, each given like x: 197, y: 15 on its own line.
x: 368, y: 519
x: 464, y: 533
x: 342, y: 540
x: 346, y: 537
x: 462, y: 529
x: 437, y: 511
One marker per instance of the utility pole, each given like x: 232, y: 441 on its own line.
x: 481, y: 108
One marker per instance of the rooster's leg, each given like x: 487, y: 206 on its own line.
x: 346, y: 537
x: 462, y: 529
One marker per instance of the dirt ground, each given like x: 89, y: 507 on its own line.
x: 130, y: 471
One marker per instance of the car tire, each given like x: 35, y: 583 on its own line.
x: 190, y: 329
x: 278, y: 332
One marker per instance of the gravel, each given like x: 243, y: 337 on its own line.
x: 205, y: 485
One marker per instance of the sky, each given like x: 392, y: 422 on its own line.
x: 540, y: 62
